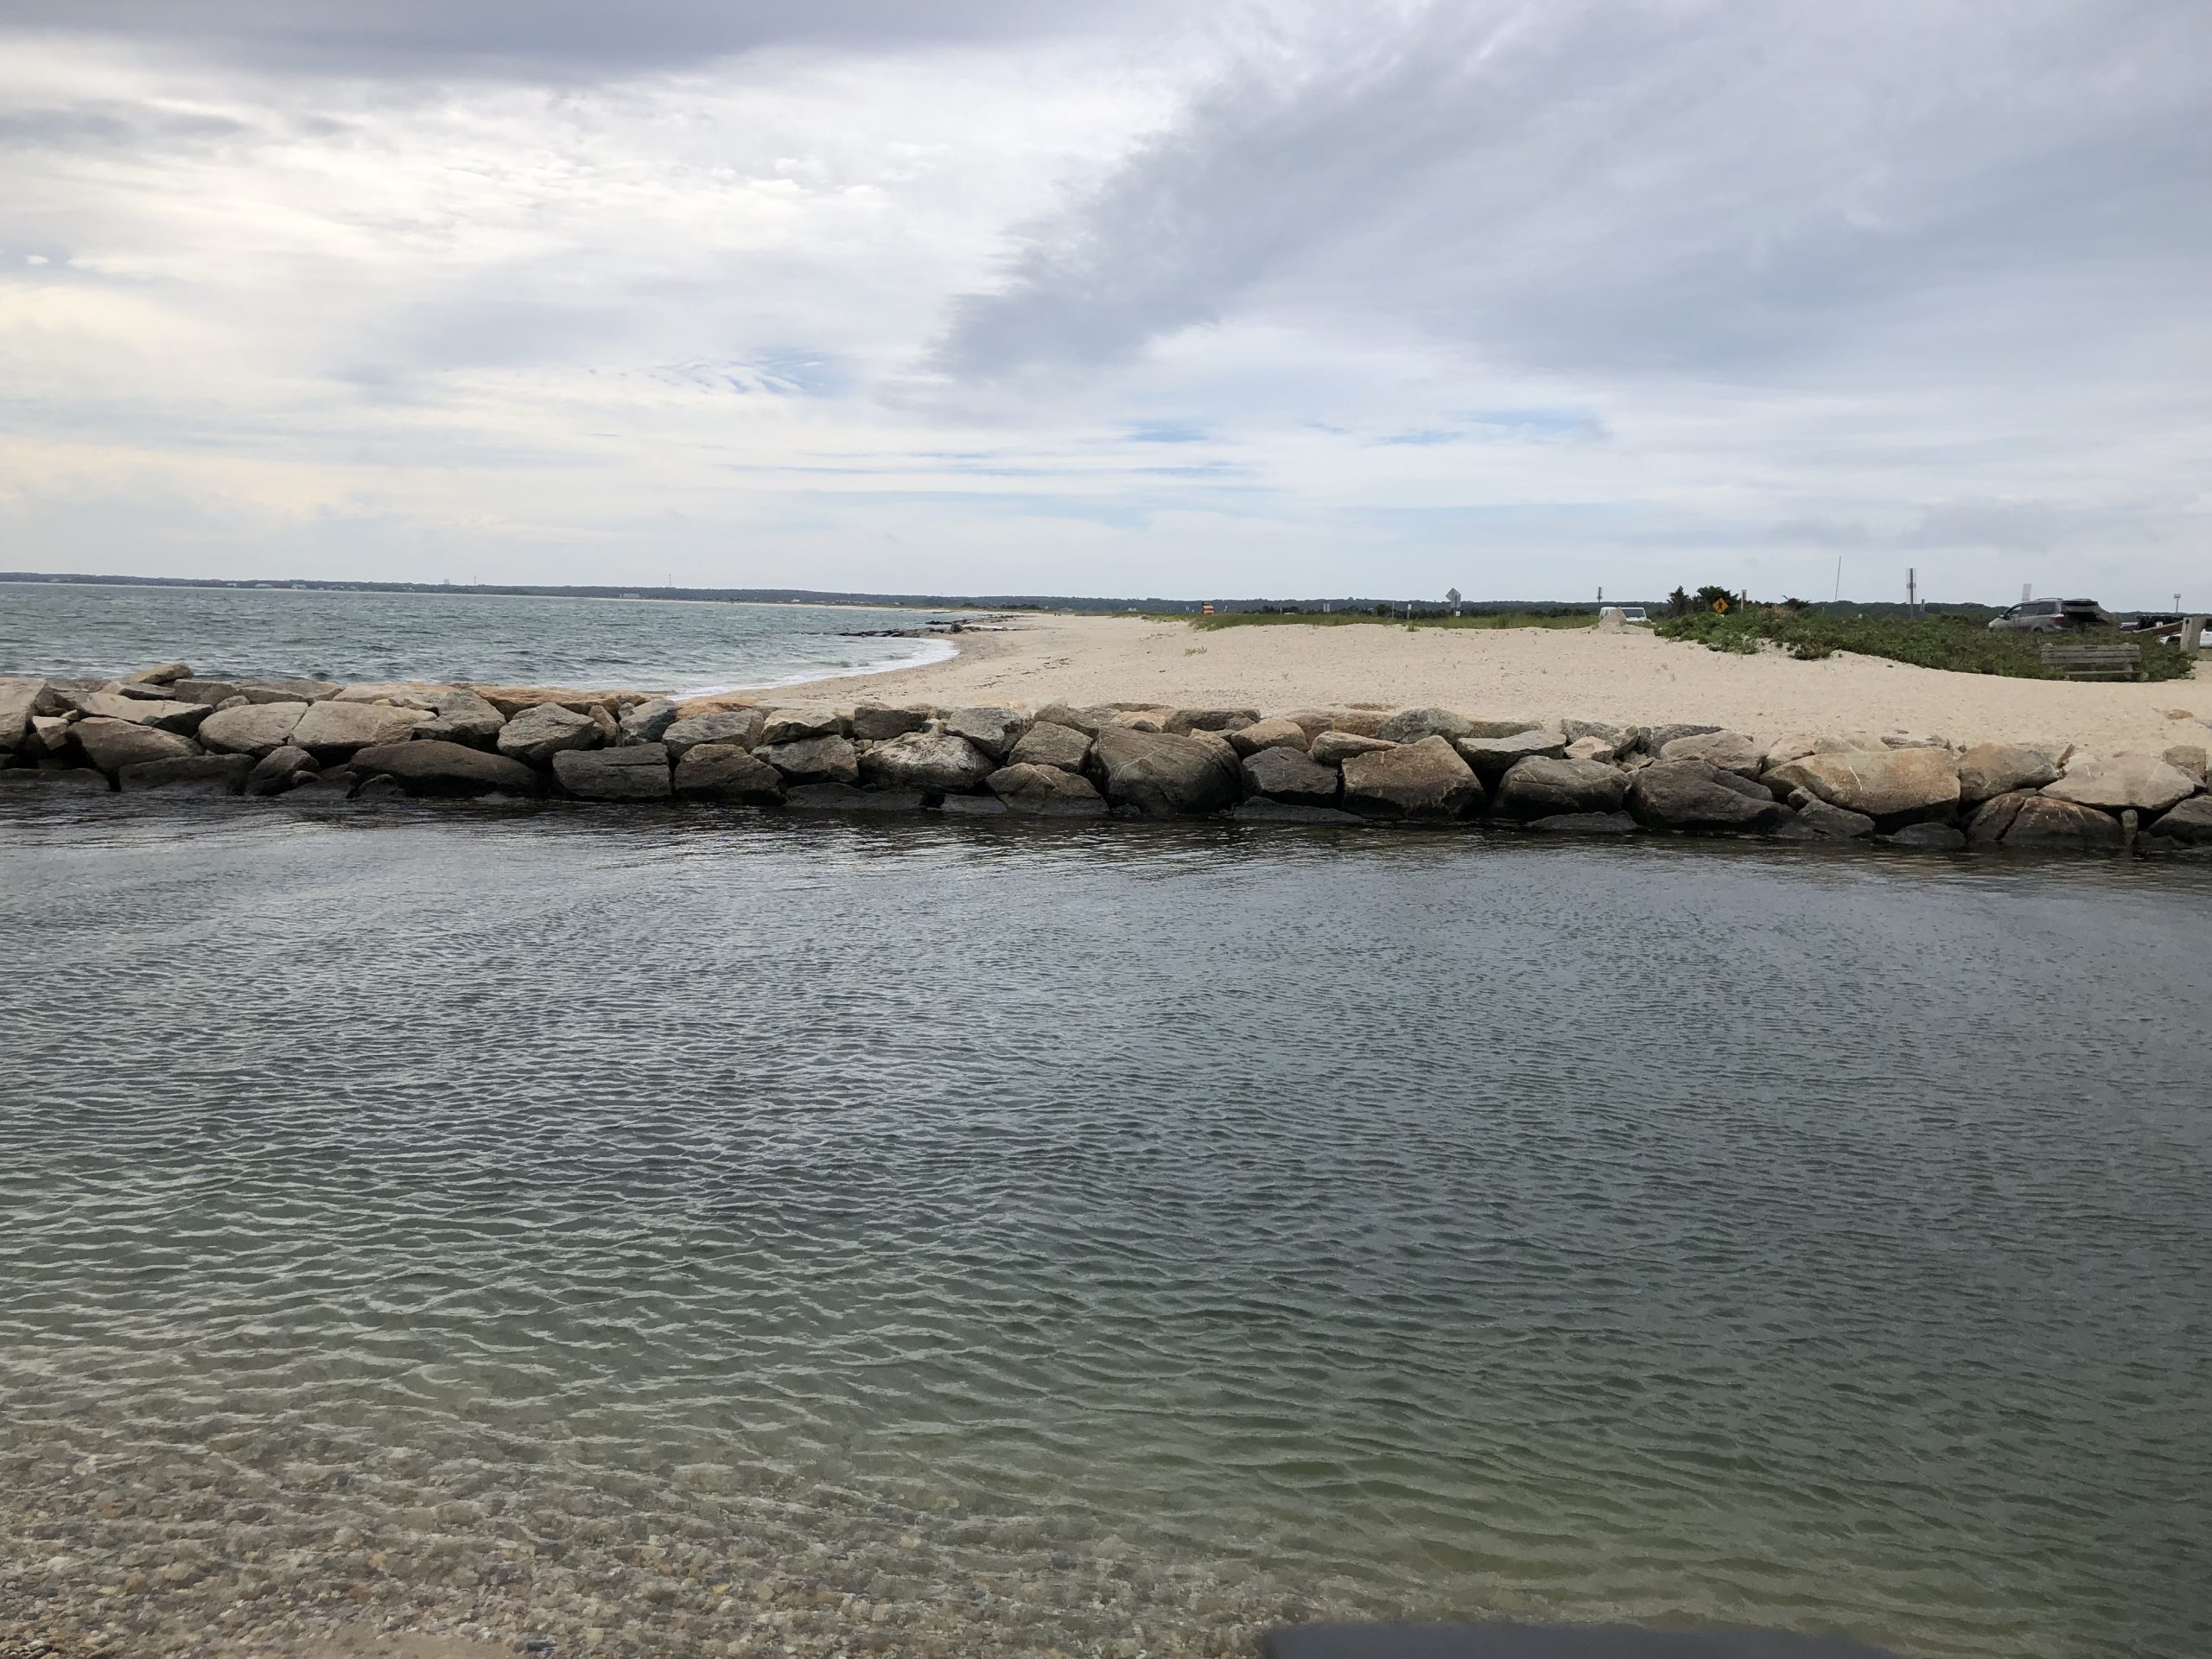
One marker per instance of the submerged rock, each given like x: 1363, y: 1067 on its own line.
x: 635, y: 772
x: 1928, y: 838
x: 69, y: 780
x: 1262, y: 810
x: 1586, y: 824
x: 438, y: 767
x: 192, y: 774
x: 843, y: 798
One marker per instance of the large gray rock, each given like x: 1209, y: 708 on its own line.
x: 878, y: 723
x: 1730, y: 751
x: 112, y: 744
x: 251, y: 729
x: 1050, y: 791
x: 162, y: 674
x: 1656, y: 738
x: 1423, y: 779
x: 1163, y: 773
x: 1411, y: 725
x: 1278, y: 734
x: 163, y: 714
x: 828, y: 760
x: 2045, y: 821
x: 2190, y: 822
x: 635, y: 772
x: 1493, y: 756
x: 729, y: 773
x: 190, y: 774
x: 439, y: 766
x: 18, y: 702
x: 535, y: 735
x: 741, y: 727
x: 646, y: 722
x: 1888, y: 785
x: 331, y: 730
x: 210, y: 692
x: 994, y: 731
x: 2141, y: 781
x: 1334, y: 749
x: 936, y: 762
x: 1046, y: 743
x: 277, y: 771
x: 460, y: 714
x: 1988, y: 770
x: 798, y: 722
x: 1284, y: 773
x: 1613, y: 737
x: 1540, y: 787
x: 49, y: 735
x: 1696, y: 795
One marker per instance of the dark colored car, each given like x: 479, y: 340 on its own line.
x: 2053, y: 616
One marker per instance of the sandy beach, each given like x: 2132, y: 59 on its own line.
x: 1627, y: 678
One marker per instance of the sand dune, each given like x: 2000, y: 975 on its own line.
x: 1627, y: 678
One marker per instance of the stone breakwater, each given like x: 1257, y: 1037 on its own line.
x: 166, y: 730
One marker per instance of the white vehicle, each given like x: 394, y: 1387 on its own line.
x: 1633, y: 613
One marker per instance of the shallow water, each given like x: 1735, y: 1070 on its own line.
x: 991, y: 1237
x: 614, y: 644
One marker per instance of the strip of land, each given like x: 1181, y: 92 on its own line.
x: 1625, y: 679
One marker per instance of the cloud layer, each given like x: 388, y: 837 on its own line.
x: 1524, y: 299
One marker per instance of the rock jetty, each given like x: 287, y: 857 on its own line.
x: 166, y: 729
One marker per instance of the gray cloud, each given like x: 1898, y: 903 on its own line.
x: 1693, y: 186
x: 535, y: 37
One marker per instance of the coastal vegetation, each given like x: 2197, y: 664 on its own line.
x: 1965, y: 644
x: 1417, y: 617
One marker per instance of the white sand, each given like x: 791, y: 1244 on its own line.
x: 1627, y: 678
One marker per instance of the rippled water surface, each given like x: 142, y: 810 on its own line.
x: 655, y: 644
x: 1223, y: 1224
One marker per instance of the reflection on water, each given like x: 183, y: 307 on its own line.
x: 1209, y: 1221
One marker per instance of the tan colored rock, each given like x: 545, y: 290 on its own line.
x: 1049, y: 743
x: 163, y: 714
x: 542, y: 730
x: 330, y: 731
x: 1332, y: 747
x: 2190, y: 758
x: 166, y: 674
x: 18, y: 700
x: 1270, y: 734
x: 993, y: 730
x: 1880, y: 783
x: 826, y: 760
x: 254, y: 728
x: 2044, y: 820
x: 741, y: 726
x: 1988, y: 770
x: 1425, y: 779
x: 1730, y: 751
x: 2142, y: 782
x: 1357, y: 722
x: 112, y: 744
x: 1592, y: 748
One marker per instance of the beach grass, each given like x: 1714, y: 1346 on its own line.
x: 1961, y: 644
x: 1347, y: 618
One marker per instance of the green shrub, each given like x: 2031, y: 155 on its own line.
x: 1962, y: 644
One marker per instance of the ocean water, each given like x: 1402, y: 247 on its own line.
x: 754, y: 1234
x: 612, y: 644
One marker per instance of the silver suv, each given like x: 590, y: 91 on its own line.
x: 2053, y: 616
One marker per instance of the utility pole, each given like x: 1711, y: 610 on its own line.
x: 1838, y: 577
x: 1911, y: 597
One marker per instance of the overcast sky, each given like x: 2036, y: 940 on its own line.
x: 1287, y: 298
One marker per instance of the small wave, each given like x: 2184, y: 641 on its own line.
x: 925, y: 653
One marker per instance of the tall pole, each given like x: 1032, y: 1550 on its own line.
x: 1838, y: 577
x: 1911, y: 587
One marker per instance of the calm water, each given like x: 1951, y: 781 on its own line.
x: 656, y: 645
x: 1386, y: 1223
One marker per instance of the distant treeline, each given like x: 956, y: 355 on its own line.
x: 1081, y: 602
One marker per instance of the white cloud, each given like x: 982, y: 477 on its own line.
x: 1519, y: 298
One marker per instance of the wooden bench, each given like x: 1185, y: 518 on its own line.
x: 2095, y: 662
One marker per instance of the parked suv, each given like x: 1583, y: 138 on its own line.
x: 2053, y: 616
